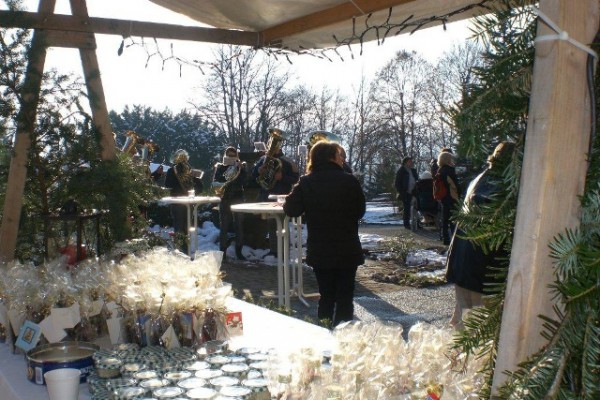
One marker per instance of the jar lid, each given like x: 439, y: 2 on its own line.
x: 201, y: 393
x: 146, y: 374
x: 167, y: 392
x: 154, y: 383
x: 191, y: 383
x: 224, y: 381
x: 235, y: 391
x: 209, y: 373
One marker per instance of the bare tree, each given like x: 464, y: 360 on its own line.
x: 242, y: 94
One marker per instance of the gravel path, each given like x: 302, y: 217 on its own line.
x: 373, y: 300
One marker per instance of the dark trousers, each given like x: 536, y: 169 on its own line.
x: 406, y: 203
x: 447, y: 225
x: 226, y: 220
x: 180, y: 222
x: 336, y: 287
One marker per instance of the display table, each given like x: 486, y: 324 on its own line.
x: 262, y: 328
x: 192, y: 203
x: 275, y: 211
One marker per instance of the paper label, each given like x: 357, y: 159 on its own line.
x: 4, y: 315
x: 96, y: 308
x: 51, y: 331
x: 234, y: 324
x: 16, y: 320
x: 116, y: 330
x: 66, y: 318
x: 29, y: 336
x: 169, y: 338
x: 113, y: 308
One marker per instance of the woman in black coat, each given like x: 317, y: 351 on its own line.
x: 332, y: 202
x: 448, y: 174
x: 468, y: 266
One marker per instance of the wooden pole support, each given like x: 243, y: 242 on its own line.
x: 553, y: 176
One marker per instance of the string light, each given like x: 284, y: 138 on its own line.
x: 381, y: 31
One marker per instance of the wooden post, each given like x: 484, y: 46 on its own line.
x: 17, y: 174
x: 91, y: 72
x: 553, y: 176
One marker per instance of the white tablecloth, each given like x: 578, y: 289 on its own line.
x: 262, y: 328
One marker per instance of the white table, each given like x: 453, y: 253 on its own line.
x: 262, y: 328
x: 275, y: 211
x: 297, y: 287
x: 192, y: 203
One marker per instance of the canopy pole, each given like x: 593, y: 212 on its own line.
x: 25, y: 125
x: 552, y: 177
x: 13, y: 204
x: 91, y: 72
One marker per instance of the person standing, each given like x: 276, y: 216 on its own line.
x: 332, y: 202
x: 447, y: 173
x: 180, y: 181
x: 229, y: 180
x: 284, y: 178
x: 406, y: 179
x: 467, y: 265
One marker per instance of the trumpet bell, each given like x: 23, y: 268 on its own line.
x: 316, y: 136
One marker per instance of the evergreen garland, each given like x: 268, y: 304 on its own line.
x: 495, y: 109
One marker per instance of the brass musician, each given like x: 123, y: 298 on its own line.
x: 229, y: 182
x: 284, y: 175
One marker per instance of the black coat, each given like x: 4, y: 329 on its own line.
x: 179, y: 185
x: 402, y: 178
x: 448, y: 174
x: 467, y: 265
x: 332, y: 202
x: 235, y: 188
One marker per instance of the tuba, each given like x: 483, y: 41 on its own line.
x: 272, y: 165
x: 230, y: 174
x: 130, y: 143
x: 316, y: 136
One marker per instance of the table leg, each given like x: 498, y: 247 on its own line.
x: 299, y: 284
x: 286, y: 261
x: 79, y: 239
x: 280, y: 257
x: 188, y: 208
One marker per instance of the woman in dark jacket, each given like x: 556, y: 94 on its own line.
x: 448, y: 173
x: 333, y: 202
x: 468, y: 266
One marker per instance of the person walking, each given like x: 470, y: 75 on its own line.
x: 448, y: 176
x: 332, y: 202
x: 229, y: 181
x: 467, y: 265
x: 406, y: 179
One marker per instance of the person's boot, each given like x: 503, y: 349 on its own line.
x: 239, y: 255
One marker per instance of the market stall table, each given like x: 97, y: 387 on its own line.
x: 274, y: 210
x: 262, y: 328
x: 192, y: 203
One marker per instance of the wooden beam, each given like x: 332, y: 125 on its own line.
x: 125, y: 28
x: 552, y: 178
x: 93, y: 81
x: 329, y: 16
x: 76, y: 40
x: 26, y: 117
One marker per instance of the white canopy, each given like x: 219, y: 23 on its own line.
x: 297, y: 24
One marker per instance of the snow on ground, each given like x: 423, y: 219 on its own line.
x: 377, y: 213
